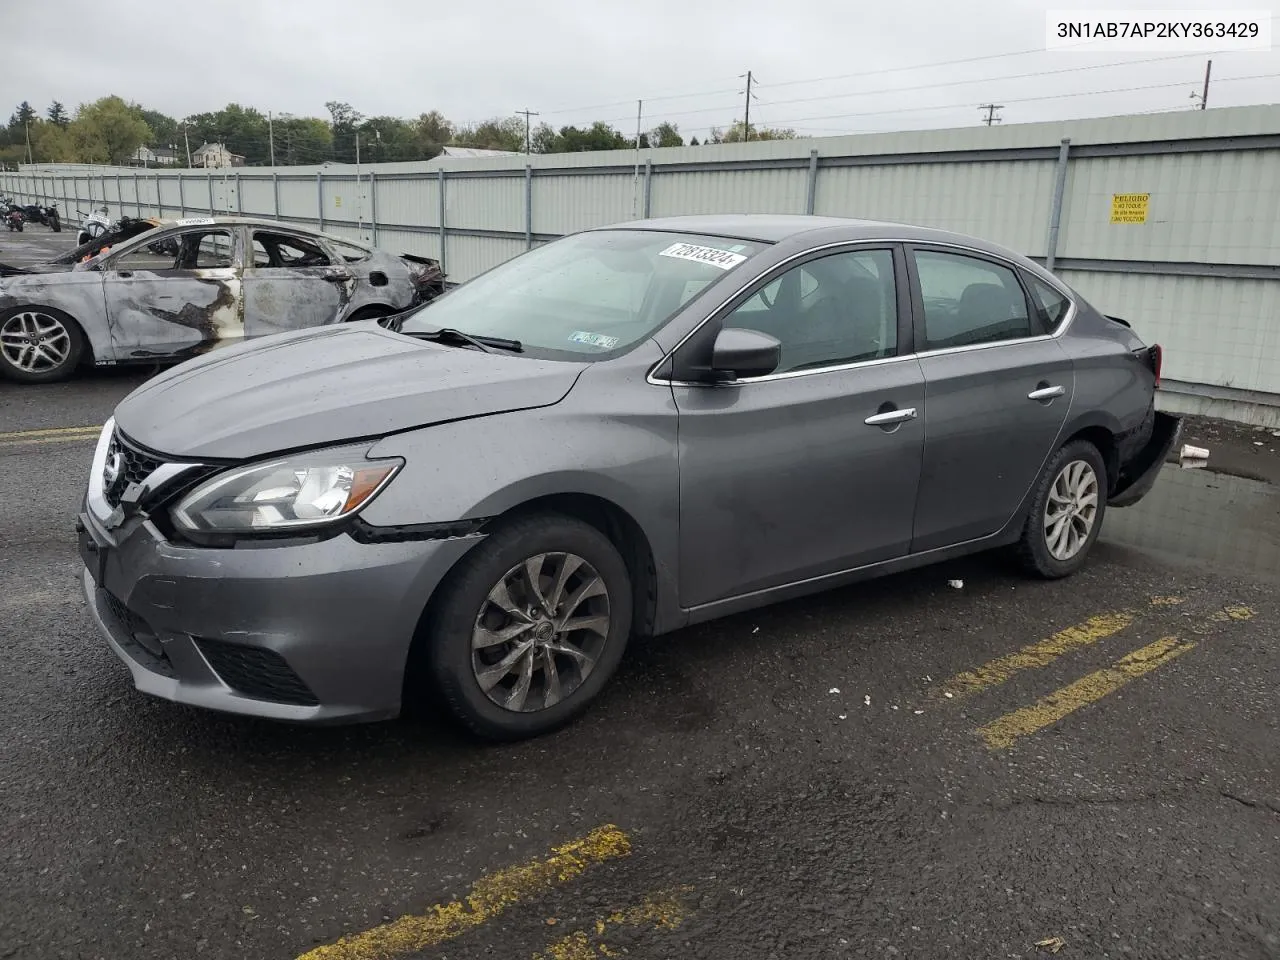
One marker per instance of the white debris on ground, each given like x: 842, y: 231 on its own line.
x: 1190, y: 452
x: 867, y: 699
x: 834, y: 690
x: 958, y: 584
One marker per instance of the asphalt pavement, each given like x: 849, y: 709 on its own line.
x: 905, y: 768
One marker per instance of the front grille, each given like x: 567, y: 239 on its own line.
x: 256, y: 672
x: 129, y: 464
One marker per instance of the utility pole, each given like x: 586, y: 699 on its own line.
x: 991, y: 109
x: 28, y: 126
x: 746, y: 113
x: 1204, y: 97
x: 271, y: 137
x: 635, y: 176
x: 187, y: 140
x: 527, y: 113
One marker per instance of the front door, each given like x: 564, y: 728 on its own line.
x: 997, y: 390
x: 175, y: 295
x: 291, y: 284
x: 812, y: 469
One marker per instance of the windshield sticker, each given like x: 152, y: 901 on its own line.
x: 195, y: 222
x: 593, y: 339
x: 724, y: 259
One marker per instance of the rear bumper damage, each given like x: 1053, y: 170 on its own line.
x: 1138, y: 475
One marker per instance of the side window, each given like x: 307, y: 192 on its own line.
x: 967, y: 300
x: 350, y: 252
x: 282, y: 250
x: 840, y: 308
x: 205, y: 249
x: 1051, y: 304
x: 161, y: 255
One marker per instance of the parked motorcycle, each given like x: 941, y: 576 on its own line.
x: 93, y: 225
x: 14, y: 219
x: 34, y: 213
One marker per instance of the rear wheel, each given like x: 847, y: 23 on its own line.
x: 39, y: 345
x: 1066, y: 514
x: 530, y: 627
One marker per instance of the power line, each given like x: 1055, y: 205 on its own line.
x: 991, y: 109
x: 1053, y: 96
x: 938, y: 86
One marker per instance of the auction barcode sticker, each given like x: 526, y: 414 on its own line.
x: 723, y: 259
x: 1095, y: 31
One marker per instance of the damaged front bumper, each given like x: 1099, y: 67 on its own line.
x: 1138, y: 476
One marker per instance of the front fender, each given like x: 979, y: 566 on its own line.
x: 612, y: 438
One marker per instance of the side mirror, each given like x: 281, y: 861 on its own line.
x: 738, y: 352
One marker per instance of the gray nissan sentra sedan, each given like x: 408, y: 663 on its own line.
x: 620, y: 433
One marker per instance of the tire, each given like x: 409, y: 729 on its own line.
x: 1040, y: 549
x: 465, y: 606
x: 58, y: 333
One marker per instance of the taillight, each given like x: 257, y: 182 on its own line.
x: 1156, y: 359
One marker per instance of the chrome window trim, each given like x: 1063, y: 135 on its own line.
x: 917, y: 355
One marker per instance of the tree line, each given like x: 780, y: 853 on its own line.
x: 111, y: 129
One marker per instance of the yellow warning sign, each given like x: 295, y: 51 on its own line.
x: 1129, y: 207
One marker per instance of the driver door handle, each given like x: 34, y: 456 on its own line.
x: 1046, y: 393
x: 891, y: 416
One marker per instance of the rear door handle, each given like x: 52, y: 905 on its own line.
x: 891, y: 416
x: 1046, y: 393
x: 337, y: 277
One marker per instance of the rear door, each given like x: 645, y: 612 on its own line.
x: 291, y: 282
x: 175, y: 294
x: 812, y: 469
x: 997, y: 391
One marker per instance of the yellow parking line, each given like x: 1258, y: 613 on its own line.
x: 661, y: 909
x: 489, y: 897
x: 54, y: 432
x: 1005, y: 731
x: 1034, y: 655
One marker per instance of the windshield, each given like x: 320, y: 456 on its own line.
x: 588, y: 296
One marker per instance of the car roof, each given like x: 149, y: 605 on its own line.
x: 166, y: 223
x: 776, y: 227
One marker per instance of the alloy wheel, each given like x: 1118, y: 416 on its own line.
x: 1071, y: 510
x: 34, y: 341
x: 540, y: 632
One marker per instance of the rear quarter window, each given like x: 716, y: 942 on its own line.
x: 349, y: 252
x: 1052, y: 306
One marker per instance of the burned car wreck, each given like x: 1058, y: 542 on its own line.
x: 151, y: 291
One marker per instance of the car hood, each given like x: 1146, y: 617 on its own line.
x: 316, y: 387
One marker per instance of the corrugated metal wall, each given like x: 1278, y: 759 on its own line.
x: 1201, y: 274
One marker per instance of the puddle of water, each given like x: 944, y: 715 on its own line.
x: 1207, y: 519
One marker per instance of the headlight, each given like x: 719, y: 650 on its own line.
x: 306, y: 491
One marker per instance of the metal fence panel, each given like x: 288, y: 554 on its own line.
x: 1005, y: 202
x: 569, y: 204
x: 728, y: 191
x: 1214, y: 329
x: 485, y: 203
x: 471, y: 256
x: 1221, y: 207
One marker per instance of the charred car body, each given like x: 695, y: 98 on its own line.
x: 165, y: 290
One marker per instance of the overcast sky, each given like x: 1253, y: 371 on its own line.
x: 576, y: 61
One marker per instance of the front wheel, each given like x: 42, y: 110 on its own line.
x: 39, y: 345
x: 529, y: 627
x: 1066, y: 513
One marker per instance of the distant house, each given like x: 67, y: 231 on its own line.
x: 153, y: 157
x: 476, y: 152
x: 215, y: 155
